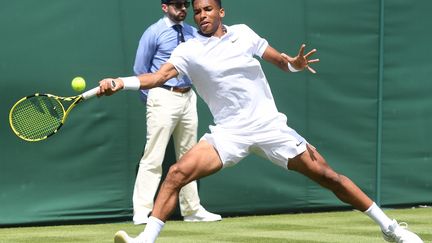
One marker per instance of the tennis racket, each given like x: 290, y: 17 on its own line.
x: 39, y: 116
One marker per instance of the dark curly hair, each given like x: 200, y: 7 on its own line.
x: 219, y: 2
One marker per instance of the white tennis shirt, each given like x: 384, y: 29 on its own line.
x: 228, y: 77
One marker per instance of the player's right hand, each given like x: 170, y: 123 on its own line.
x: 109, y: 86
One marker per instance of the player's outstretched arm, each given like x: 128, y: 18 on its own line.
x: 143, y: 81
x: 287, y: 63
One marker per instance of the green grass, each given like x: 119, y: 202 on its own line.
x: 332, y: 227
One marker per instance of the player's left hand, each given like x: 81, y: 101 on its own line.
x: 302, y: 61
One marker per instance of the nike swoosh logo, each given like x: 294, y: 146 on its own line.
x: 298, y: 144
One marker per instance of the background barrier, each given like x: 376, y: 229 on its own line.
x: 368, y: 110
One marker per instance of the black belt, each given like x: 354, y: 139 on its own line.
x: 176, y: 89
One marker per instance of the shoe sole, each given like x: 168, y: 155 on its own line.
x: 201, y: 220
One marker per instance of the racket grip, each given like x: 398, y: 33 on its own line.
x: 90, y: 93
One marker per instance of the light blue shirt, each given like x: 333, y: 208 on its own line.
x: 155, y: 48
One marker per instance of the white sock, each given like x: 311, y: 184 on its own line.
x: 376, y: 213
x: 152, y: 230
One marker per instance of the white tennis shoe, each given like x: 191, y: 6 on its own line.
x: 123, y: 237
x: 399, y: 233
x: 202, y: 215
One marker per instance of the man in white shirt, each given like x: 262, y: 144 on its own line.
x: 245, y: 115
x: 171, y: 112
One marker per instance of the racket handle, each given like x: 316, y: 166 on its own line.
x: 92, y: 93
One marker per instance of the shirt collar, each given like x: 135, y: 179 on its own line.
x: 171, y: 23
x: 229, y: 34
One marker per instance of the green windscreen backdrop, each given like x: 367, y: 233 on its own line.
x: 368, y: 110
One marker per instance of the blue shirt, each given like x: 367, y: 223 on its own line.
x: 155, y: 48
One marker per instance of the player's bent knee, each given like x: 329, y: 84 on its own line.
x: 176, y: 177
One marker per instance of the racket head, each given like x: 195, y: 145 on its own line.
x: 36, y: 117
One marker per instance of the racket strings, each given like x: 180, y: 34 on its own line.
x: 37, y: 117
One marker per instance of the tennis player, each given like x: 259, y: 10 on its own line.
x: 221, y: 64
x: 171, y: 112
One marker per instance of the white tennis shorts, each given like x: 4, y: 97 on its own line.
x: 274, y: 141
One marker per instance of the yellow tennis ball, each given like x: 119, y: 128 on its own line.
x: 78, y: 84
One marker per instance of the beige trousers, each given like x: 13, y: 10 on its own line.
x: 168, y: 113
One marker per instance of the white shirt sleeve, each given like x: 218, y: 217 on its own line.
x: 260, y: 44
x: 179, y: 59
